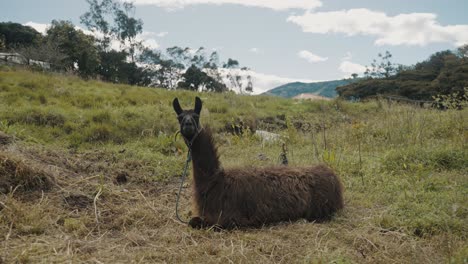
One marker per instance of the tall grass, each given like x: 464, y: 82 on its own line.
x: 404, y: 168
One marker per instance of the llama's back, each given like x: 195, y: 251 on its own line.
x: 254, y: 196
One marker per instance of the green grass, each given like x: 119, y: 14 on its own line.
x: 404, y: 170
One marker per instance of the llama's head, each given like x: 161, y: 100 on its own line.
x: 189, y: 120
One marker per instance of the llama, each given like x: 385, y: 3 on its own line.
x: 252, y: 197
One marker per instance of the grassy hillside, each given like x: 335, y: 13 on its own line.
x: 443, y: 73
x: 326, y: 89
x: 89, y: 172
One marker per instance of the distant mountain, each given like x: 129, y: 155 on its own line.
x: 326, y: 89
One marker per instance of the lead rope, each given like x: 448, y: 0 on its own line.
x: 184, y: 175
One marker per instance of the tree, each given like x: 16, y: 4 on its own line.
x: 2, y: 43
x: 186, y: 68
x: 112, y: 20
x: 197, y: 80
x: 14, y: 35
x: 180, y: 56
x: 127, y: 28
x: 96, y: 20
x: 44, y: 51
x: 239, y: 78
x: 164, y: 73
x: 211, y: 67
x: 463, y: 51
x: 443, y: 73
x: 82, y: 55
x: 383, y: 68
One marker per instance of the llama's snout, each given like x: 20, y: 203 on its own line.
x: 189, y: 127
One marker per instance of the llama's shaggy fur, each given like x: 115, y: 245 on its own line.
x: 249, y: 196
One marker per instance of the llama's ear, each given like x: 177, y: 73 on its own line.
x: 198, y: 105
x: 176, y: 106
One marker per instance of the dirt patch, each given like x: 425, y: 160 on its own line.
x: 121, y: 178
x: 22, y: 176
x: 5, y: 139
x: 77, y: 201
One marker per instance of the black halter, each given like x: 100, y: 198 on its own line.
x: 198, y: 128
x: 189, y: 158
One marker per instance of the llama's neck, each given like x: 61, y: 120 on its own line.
x: 205, y: 158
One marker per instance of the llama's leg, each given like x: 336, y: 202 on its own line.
x: 318, y: 213
x: 197, y: 222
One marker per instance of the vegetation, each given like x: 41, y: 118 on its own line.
x: 89, y: 172
x: 444, y: 73
x: 12, y: 34
x: 93, y: 55
x: 326, y: 89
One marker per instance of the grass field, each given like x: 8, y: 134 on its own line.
x: 89, y: 173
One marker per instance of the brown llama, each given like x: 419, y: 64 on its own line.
x: 252, y: 197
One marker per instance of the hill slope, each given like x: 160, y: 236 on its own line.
x: 326, y: 89
x: 442, y: 73
x: 89, y: 172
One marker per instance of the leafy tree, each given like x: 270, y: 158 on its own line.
x: 169, y: 73
x: 2, y: 43
x: 44, y: 51
x: 82, y: 55
x: 212, y: 67
x: 383, y: 68
x: 199, y: 58
x: 180, y: 59
x: 127, y: 28
x: 463, y: 51
x: 195, y: 79
x: 238, y: 77
x: 15, y: 34
x: 180, y: 56
x: 114, y: 68
x: 112, y: 20
x: 96, y: 20
x: 443, y: 73
x: 164, y: 73
x: 110, y: 68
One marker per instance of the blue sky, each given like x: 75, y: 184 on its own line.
x: 283, y: 41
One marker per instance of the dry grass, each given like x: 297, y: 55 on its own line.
x: 18, y: 174
x: 88, y: 217
x: 90, y: 176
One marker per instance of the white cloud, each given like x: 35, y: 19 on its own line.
x: 162, y: 34
x: 263, y: 82
x: 348, y: 56
x: 278, y: 5
x: 41, y: 28
x: 348, y: 68
x: 151, y: 43
x: 255, y: 50
x: 310, y: 57
x: 403, y: 29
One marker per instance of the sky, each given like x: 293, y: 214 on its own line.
x: 283, y: 41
